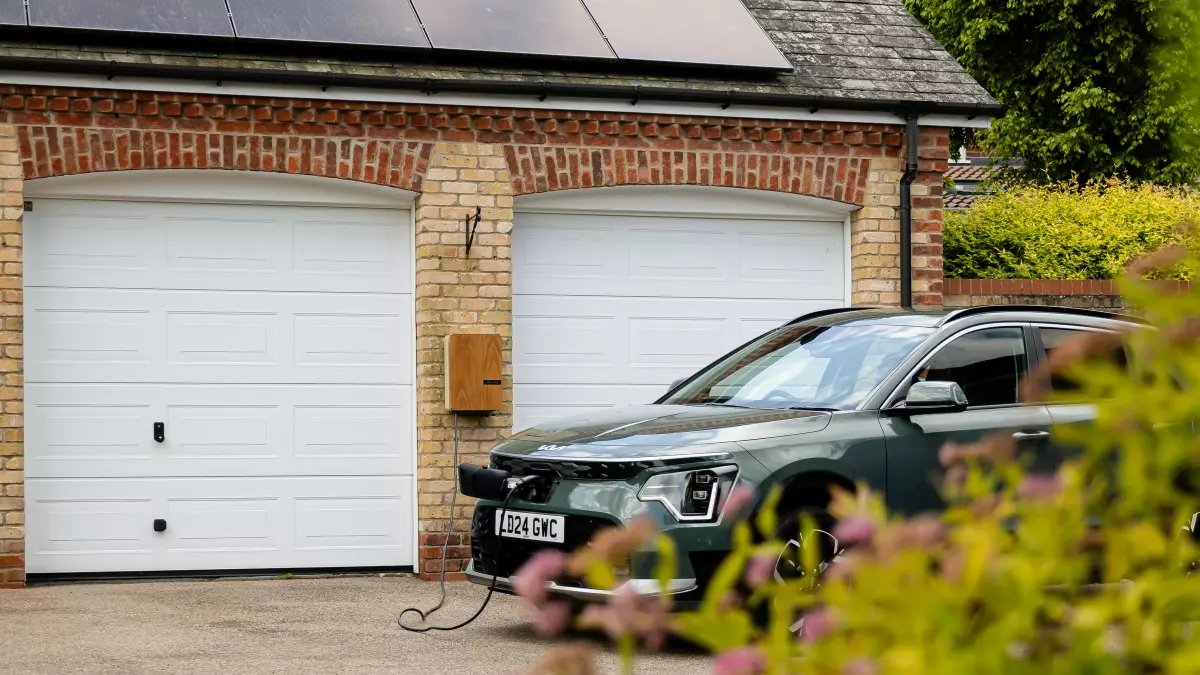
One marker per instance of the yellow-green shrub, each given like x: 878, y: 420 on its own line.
x: 1065, y: 232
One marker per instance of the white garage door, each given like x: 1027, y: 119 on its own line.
x: 273, y: 346
x: 619, y: 292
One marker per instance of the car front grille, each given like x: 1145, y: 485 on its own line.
x: 504, y: 556
x: 583, y: 470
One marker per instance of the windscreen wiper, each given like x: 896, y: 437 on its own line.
x: 813, y: 408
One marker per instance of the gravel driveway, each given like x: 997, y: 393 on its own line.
x: 294, y: 626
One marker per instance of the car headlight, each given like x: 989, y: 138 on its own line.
x: 690, y: 496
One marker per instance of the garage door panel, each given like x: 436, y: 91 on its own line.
x: 78, y: 523
x: 221, y: 244
x: 90, y: 244
x: 218, y: 523
x: 99, y: 430
x: 660, y: 255
x: 71, y: 243
x: 347, y: 249
x: 221, y: 337
x: 554, y: 255
x: 234, y: 524
x: 547, y: 402
x: 774, y: 258
x: 87, y: 334
x: 609, y: 309
x: 82, y: 430
x: 95, y: 335
x: 561, y: 340
x: 652, y: 256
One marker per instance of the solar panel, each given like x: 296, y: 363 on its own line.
x: 12, y: 12
x: 389, y: 23
x: 179, y: 17
x: 709, y: 32
x: 541, y: 27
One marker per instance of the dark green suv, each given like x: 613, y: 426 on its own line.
x: 833, y: 398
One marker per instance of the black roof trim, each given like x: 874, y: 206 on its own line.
x: 828, y: 312
x: 483, y: 86
x: 957, y: 314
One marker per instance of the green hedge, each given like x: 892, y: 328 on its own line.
x: 1067, y: 232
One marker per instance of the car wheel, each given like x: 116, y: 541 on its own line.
x: 818, y: 526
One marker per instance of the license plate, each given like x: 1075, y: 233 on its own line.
x: 531, y: 526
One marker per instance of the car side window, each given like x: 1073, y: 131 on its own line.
x: 1053, y: 338
x: 988, y: 364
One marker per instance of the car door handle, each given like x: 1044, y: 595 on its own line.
x: 1030, y: 435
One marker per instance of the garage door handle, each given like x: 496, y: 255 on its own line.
x: 1030, y: 435
x: 160, y: 432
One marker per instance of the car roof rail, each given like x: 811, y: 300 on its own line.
x: 828, y: 312
x: 956, y: 314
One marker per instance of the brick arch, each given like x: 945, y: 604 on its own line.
x: 546, y: 169
x: 49, y: 151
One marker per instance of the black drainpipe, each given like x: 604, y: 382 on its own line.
x: 912, y: 135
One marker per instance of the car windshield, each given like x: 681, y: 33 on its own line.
x: 804, y: 367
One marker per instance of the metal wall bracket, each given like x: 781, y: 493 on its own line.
x: 470, y: 230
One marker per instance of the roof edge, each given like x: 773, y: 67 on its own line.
x: 544, y: 88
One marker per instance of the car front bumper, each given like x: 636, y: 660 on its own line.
x: 642, y: 586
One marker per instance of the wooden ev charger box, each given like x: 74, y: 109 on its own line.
x: 474, y: 372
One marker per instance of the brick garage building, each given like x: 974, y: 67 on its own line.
x: 265, y: 254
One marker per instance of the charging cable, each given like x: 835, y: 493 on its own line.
x: 513, y: 485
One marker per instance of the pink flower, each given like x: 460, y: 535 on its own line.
x: 948, y: 453
x: 656, y: 620
x: 741, y: 661
x: 618, y: 617
x: 861, y: 665
x: 628, y: 613
x: 854, y: 530
x: 1039, y: 487
x: 731, y: 600
x: 760, y: 569
x: 927, y: 530
x: 818, y: 623
x: 956, y: 476
x: 737, y: 500
x: 952, y: 566
x: 530, y: 582
x: 552, y: 619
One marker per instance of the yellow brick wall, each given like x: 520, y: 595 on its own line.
x: 458, y: 294
x: 875, y: 237
x: 12, y: 460
x: 875, y: 229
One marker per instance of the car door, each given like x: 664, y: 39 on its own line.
x: 1048, y: 338
x: 989, y: 363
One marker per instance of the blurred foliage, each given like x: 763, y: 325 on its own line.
x: 1085, y: 570
x: 1063, y: 231
x: 1092, y: 88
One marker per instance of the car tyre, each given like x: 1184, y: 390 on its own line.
x: 788, y: 567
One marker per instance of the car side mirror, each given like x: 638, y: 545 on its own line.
x: 925, y: 398
x: 676, y: 383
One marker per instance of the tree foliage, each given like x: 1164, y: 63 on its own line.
x: 1093, y: 88
x: 1063, y: 231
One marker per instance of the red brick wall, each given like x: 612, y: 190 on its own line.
x: 933, y: 156
x: 66, y: 131
x: 1080, y: 293
x: 832, y: 176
